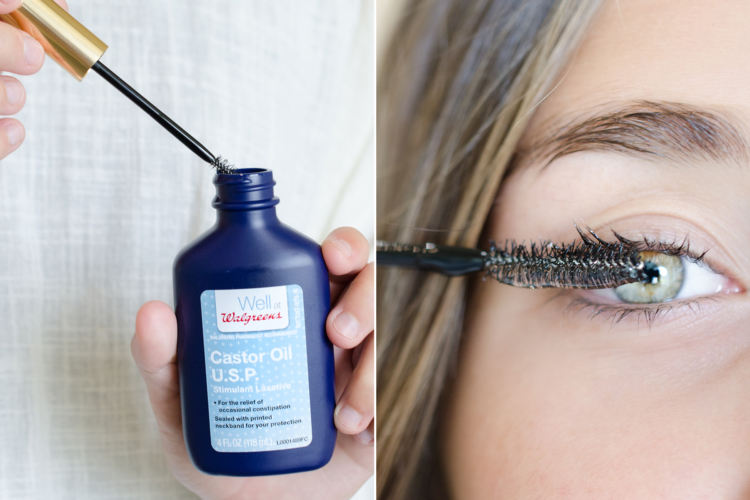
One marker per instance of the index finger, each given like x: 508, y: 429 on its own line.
x: 7, y: 8
x: 345, y: 252
x: 13, y: 5
x: 20, y: 53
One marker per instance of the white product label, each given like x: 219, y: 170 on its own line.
x: 255, y: 349
x: 252, y: 309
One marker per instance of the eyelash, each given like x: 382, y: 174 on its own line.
x: 675, y: 248
x: 616, y: 313
x: 590, y: 262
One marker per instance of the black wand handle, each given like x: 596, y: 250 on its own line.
x: 154, y: 112
x: 450, y: 261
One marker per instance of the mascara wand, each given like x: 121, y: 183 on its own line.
x: 78, y: 50
x: 587, y: 264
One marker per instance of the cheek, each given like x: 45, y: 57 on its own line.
x: 561, y: 410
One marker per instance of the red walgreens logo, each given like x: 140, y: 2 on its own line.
x: 247, y: 318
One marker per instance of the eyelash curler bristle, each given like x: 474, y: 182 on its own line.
x: 589, y: 263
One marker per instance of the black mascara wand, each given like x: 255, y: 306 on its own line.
x: 589, y: 263
x: 78, y: 50
x: 222, y: 166
x: 154, y: 112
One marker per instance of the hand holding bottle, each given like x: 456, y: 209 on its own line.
x: 22, y: 55
x: 349, y: 327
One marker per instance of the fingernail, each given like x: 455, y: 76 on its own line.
x: 347, y: 325
x: 365, y: 437
x: 32, y: 50
x: 348, y: 417
x: 7, y: 2
x: 15, y: 134
x: 343, y: 247
x: 14, y: 92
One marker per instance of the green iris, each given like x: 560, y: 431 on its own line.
x: 667, y: 275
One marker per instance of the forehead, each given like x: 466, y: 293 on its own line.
x: 688, y: 51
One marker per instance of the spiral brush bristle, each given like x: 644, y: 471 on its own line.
x: 589, y: 263
x: 222, y: 166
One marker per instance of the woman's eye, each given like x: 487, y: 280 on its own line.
x: 672, y: 277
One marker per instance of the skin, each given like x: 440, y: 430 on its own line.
x: 22, y: 55
x: 552, y: 403
x: 352, y: 292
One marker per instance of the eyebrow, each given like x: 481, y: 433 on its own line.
x: 654, y: 130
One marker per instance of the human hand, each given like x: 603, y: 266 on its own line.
x: 22, y: 55
x: 349, y: 327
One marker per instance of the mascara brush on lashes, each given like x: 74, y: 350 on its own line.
x: 590, y: 263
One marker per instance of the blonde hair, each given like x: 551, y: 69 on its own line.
x: 458, y: 85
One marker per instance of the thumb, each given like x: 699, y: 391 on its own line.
x: 154, y: 348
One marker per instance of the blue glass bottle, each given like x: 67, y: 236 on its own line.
x: 255, y: 364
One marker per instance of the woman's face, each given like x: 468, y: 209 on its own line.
x: 555, y: 401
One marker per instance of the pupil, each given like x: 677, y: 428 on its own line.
x: 653, y: 272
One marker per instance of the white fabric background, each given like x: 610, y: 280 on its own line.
x: 99, y: 200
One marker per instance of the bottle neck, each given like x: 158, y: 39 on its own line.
x: 249, y: 218
x: 245, y: 197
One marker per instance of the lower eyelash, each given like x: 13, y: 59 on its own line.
x: 615, y: 313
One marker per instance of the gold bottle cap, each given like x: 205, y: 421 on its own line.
x: 64, y: 39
